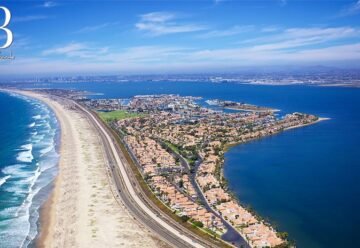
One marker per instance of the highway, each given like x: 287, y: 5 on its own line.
x: 131, y: 195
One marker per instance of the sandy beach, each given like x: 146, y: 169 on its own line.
x: 82, y: 211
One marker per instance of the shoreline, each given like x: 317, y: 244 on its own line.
x: 254, y: 213
x: 229, y: 145
x: 46, y: 230
x: 254, y: 110
x: 81, y: 210
x: 46, y: 211
x: 308, y: 124
x: 232, y: 194
x: 45, y: 219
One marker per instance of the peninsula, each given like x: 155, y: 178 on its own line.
x: 177, y: 147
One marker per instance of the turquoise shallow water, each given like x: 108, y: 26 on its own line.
x: 28, y: 159
x: 306, y: 180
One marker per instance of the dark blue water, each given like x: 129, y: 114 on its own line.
x: 306, y: 181
x: 28, y: 159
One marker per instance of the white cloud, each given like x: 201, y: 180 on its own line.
x: 270, y: 29
x: 306, y: 46
x: 227, y: 32
x: 65, y: 50
x: 147, y: 54
x: 29, y: 18
x: 250, y: 56
x: 155, y: 59
x: 349, y: 52
x: 97, y: 27
x: 157, y: 17
x: 75, y: 49
x: 337, y: 32
x: 49, y: 4
x: 161, y: 23
x: 352, y: 9
x: 298, y: 37
x: 136, y: 54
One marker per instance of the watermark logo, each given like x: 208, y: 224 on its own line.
x: 9, y: 56
x: 3, y: 27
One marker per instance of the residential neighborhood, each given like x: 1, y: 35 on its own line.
x: 179, y: 144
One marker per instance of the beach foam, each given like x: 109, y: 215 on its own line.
x: 4, y: 179
x: 8, y: 213
x: 26, y: 185
x: 27, y: 147
x: 47, y: 149
x: 37, y: 138
x: 32, y: 124
x: 25, y: 157
x: 25, y: 154
x: 13, y: 169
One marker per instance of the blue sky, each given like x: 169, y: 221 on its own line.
x: 114, y: 37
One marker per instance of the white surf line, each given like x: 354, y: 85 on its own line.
x: 133, y: 193
x: 4, y: 179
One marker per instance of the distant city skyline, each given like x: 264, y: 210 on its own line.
x: 114, y: 37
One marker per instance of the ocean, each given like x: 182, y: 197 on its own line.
x: 28, y: 164
x: 305, y: 181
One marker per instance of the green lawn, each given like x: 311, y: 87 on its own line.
x: 117, y: 115
x: 172, y: 147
